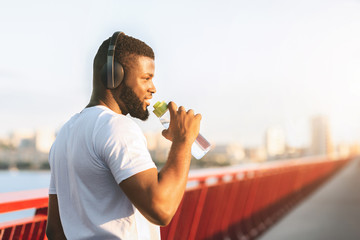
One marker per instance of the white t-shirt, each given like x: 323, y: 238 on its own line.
x: 93, y: 152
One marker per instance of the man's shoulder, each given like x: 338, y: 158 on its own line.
x: 117, y: 130
x: 112, y: 120
x: 114, y: 123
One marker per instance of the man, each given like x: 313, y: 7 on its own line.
x: 104, y: 184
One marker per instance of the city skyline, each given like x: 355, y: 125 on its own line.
x: 274, y: 139
x: 29, y: 150
x: 245, y: 66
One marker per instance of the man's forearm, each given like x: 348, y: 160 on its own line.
x: 173, y: 176
x: 176, y: 169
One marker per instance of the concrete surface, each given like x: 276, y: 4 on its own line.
x: 330, y: 213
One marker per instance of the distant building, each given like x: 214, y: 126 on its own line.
x: 225, y: 154
x: 255, y: 154
x: 39, y: 140
x: 343, y: 150
x: 26, y: 149
x: 321, y: 143
x: 44, y: 138
x: 21, y: 138
x: 158, y: 146
x: 275, y: 144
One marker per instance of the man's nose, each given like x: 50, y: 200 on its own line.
x: 152, y: 88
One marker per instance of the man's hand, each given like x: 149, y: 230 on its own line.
x: 184, y: 125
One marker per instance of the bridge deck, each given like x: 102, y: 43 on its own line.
x: 332, y: 212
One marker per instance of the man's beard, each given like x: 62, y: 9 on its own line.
x: 133, y: 103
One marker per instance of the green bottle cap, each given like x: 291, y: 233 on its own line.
x: 160, y: 108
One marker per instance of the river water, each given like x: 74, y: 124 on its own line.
x: 13, y: 181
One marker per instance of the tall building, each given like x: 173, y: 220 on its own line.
x: 22, y: 138
x: 39, y: 140
x: 320, y: 136
x: 275, y: 143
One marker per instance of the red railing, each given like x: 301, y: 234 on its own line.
x: 223, y: 203
x: 243, y: 203
x: 26, y: 228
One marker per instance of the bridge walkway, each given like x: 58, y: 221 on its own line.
x: 330, y: 213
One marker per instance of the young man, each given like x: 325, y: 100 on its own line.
x: 104, y: 184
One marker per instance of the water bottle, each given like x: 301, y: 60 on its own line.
x: 199, y: 148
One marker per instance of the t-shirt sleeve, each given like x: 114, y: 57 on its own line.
x: 121, y: 144
x: 52, y: 188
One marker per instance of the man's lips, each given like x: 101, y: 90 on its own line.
x: 147, y: 101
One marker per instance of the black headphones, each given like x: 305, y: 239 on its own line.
x: 112, y: 72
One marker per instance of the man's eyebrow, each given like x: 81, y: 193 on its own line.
x: 149, y: 74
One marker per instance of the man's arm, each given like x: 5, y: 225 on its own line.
x: 54, y: 228
x: 158, y: 195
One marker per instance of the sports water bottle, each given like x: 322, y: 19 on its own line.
x: 199, y: 148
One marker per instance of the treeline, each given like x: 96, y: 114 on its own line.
x: 25, y: 166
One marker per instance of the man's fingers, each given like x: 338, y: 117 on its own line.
x: 172, y: 107
x: 181, y: 109
x: 165, y: 133
x: 198, y: 116
x: 184, y: 124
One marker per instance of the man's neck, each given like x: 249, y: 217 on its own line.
x: 112, y: 105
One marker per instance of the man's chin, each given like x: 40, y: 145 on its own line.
x: 144, y: 115
x: 144, y: 118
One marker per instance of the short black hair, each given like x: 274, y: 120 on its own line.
x: 126, y: 51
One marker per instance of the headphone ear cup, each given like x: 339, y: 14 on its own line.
x: 103, y: 73
x: 118, y: 74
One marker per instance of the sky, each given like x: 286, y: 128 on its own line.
x: 244, y: 65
